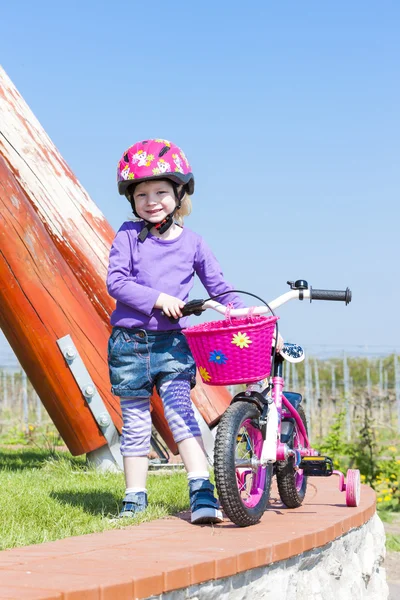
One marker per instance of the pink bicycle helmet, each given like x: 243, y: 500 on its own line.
x: 154, y: 159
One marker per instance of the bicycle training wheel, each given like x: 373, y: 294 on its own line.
x: 292, y: 483
x: 353, y: 487
x: 243, y: 485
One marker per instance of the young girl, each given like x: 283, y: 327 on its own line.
x: 152, y: 266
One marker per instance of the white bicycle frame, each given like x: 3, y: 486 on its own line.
x: 259, y: 310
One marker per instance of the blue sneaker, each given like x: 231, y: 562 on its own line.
x: 203, y: 504
x: 133, y: 504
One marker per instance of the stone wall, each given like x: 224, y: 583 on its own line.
x: 348, y: 568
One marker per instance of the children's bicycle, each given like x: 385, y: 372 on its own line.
x: 264, y: 430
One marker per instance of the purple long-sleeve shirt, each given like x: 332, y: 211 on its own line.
x: 139, y: 271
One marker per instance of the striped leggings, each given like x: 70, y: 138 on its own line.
x: 178, y: 410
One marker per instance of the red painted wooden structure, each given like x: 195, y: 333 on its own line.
x: 54, y: 245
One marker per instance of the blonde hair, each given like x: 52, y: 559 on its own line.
x: 185, y: 209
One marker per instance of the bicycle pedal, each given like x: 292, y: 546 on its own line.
x: 316, y: 466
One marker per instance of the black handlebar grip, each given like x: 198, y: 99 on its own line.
x: 336, y: 295
x: 194, y: 307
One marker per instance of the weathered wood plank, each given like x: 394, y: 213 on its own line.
x: 41, y: 301
x: 77, y: 227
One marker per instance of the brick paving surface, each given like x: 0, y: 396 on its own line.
x: 151, y: 558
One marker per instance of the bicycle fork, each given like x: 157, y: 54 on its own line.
x: 273, y: 449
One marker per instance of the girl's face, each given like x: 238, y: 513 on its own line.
x: 154, y: 200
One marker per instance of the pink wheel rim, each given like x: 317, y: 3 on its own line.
x: 353, y: 487
x: 251, y: 483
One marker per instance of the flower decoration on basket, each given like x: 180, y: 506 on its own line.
x: 236, y: 350
x: 241, y: 339
x: 205, y: 375
x: 218, y: 357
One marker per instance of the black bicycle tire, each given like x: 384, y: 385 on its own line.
x: 285, y: 477
x: 224, y: 468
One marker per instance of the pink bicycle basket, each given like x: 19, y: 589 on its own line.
x: 233, y: 350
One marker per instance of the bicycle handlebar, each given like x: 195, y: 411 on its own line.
x: 341, y: 296
x: 196, y: 307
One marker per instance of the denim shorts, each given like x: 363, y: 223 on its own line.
x: 138, y: 360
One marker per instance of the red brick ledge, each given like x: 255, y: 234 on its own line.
x: 169, y: 554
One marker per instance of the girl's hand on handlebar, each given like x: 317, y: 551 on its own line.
x: 170, y: 306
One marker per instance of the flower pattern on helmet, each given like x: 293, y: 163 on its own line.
x: 241, y: 339
x: 178, y: 163
x: 154, y: 158
x: 185, y: 159
x: 162, y: 167
x: 125, y: 173
x: 218, y: 357
x: 142, y: 159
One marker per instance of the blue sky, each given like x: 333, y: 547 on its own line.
x: 288, y: 112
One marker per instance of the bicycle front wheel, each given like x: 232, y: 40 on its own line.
x: 243, y: 485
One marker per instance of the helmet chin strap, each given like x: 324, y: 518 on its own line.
x: 165, y: 224
x: 161, y: 227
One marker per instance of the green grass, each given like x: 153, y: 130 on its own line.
x: 393, y: 542
x: 48, y: 496
x: 392, y: 539
x: 386, y: 516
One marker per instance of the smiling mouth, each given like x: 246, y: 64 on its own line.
x: 154, y: 212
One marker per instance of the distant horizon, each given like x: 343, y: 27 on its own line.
x: 8, y: 360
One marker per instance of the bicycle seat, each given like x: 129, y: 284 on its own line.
x: 292, y: 352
